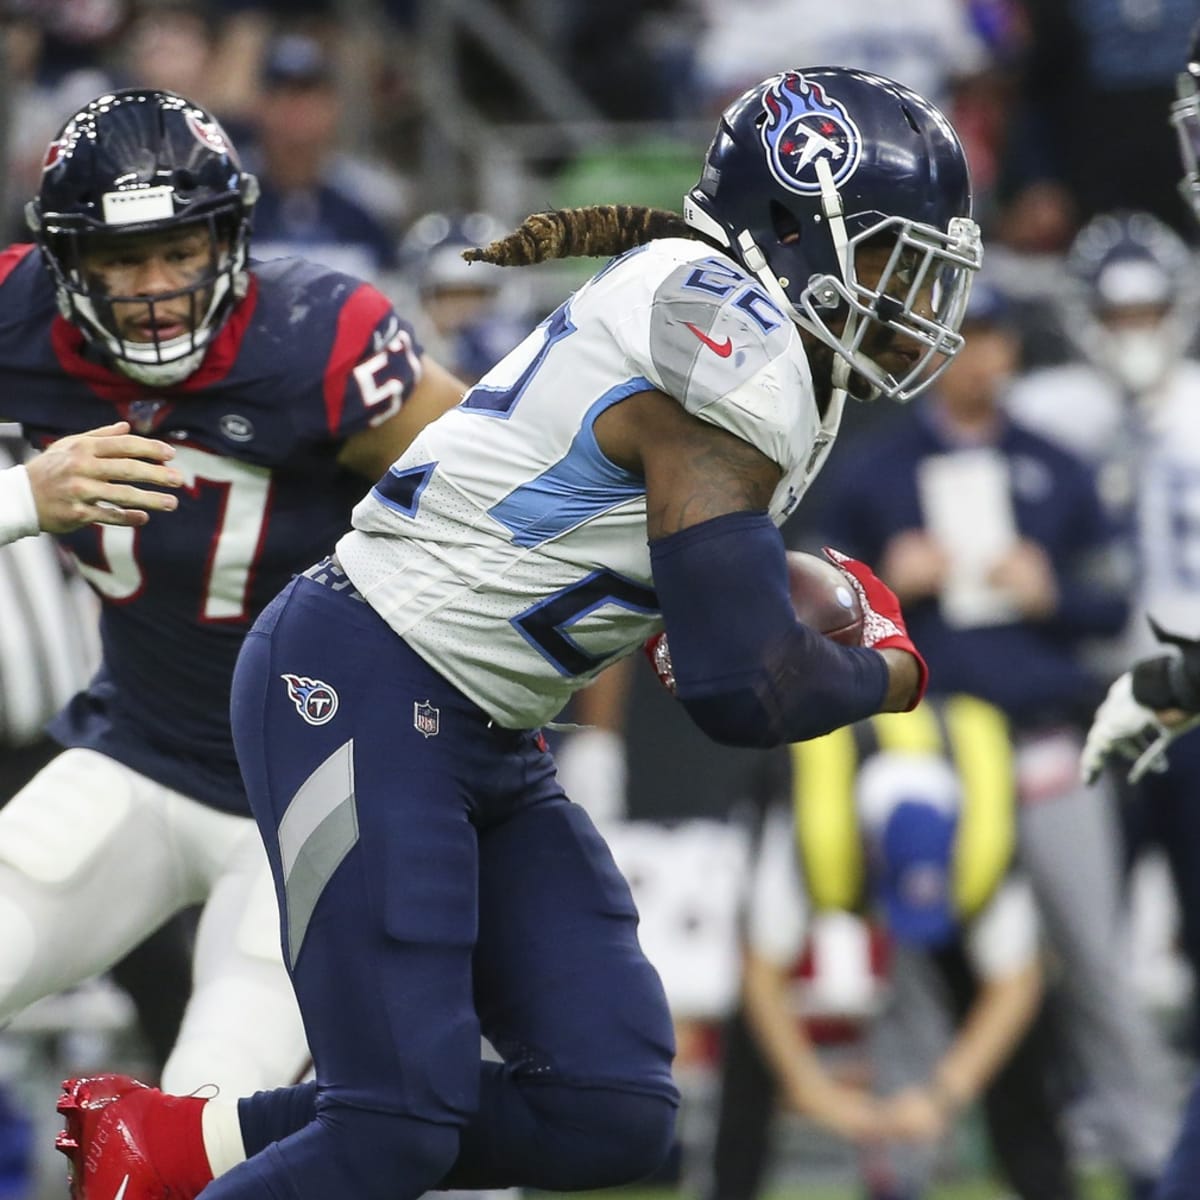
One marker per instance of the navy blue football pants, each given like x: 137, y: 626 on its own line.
x: 434, y: 882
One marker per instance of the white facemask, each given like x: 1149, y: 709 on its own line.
x: 1139, y: 358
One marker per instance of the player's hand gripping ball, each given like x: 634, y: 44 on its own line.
x: 823, y: 597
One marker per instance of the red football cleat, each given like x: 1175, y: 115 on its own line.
x: 115, y: 1130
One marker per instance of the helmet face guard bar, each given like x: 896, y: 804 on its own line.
x: 84, y: 302
x: 921, y: 295
x: 1185, y: 116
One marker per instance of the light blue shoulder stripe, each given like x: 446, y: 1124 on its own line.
x: 581, y: 485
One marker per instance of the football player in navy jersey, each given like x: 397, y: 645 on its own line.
x: 266, y: 398
x: 626, y: 467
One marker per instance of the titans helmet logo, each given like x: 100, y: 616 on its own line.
x: 804, y: 126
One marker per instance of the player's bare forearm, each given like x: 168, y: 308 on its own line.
x: 904, y: 678
x: 780, y: 1037
x: 693, y: 470
x: 995, y: 1023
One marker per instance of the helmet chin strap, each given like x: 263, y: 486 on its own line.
x: 831, y: 207
x: 755, y: 261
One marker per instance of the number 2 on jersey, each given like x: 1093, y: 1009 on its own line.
x: 546, y: 625
x: 500, y: 402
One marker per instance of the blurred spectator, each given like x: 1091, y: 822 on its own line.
x: 75, y: 33
x: 993, y: 537
x: 42, y: 88
x: 986, y: 531
x: 928, y: 45
x: 1128, y: 404
x: 169, y: 46
x: 309, y: 203
x: 476, y: 312
x: 1097, y: 79
x: 635, y: 59
x: 908, y: 818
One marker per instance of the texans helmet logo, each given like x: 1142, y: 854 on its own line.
x: 804, y: 127
x: 208, y: 133
x: 54, y: 152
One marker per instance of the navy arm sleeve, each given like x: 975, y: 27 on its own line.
x: 747, y: 671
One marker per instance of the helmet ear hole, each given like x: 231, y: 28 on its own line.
x: 785, y: 223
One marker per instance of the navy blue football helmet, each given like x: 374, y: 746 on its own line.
x: 432, y: 252
x: 1185, y: 116
x: 811, y: 164
x: 135, y: 162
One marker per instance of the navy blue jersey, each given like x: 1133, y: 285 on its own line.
x: 306, y: 359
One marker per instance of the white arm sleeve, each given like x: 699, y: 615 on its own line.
x: 18, y: 510
x: 1003, y: 938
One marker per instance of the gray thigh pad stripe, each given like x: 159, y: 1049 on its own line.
x: 318, y: 830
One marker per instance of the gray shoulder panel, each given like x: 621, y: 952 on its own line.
x: 713, y: 329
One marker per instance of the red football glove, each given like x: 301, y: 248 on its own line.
x: 883, y: 622
x: 659, y: 654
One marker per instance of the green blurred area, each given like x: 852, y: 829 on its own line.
x: 1094, y: 1186
x: 654, y: 171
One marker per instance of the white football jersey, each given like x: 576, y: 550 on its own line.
x: 505, y: 548
x: 1147, y: 455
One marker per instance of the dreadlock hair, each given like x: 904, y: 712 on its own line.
x: 597, y: 230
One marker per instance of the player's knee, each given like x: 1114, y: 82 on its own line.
x: 601, y: 1137
x: 385, y: 1154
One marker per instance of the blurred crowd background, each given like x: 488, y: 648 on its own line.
x: 389, y: 134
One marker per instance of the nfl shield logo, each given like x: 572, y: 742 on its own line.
x: 143, y: 415
x: 425, y: 718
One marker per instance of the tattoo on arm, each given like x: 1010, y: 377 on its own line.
x: 703, y: 472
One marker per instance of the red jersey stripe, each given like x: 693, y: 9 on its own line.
x: 357, y: 320
x: 11, y: 258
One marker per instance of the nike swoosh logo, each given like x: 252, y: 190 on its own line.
x: 121, y: 1190
x: 721, y: 349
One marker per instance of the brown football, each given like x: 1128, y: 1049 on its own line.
x: 824, y: 598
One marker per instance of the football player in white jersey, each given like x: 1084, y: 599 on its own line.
x: 624, y: 469
x: 1148, y: 707
x: 1126, y: 404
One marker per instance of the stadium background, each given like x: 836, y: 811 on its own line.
x: 364, y: 117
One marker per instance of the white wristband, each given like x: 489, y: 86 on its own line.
x: 18, y: 509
